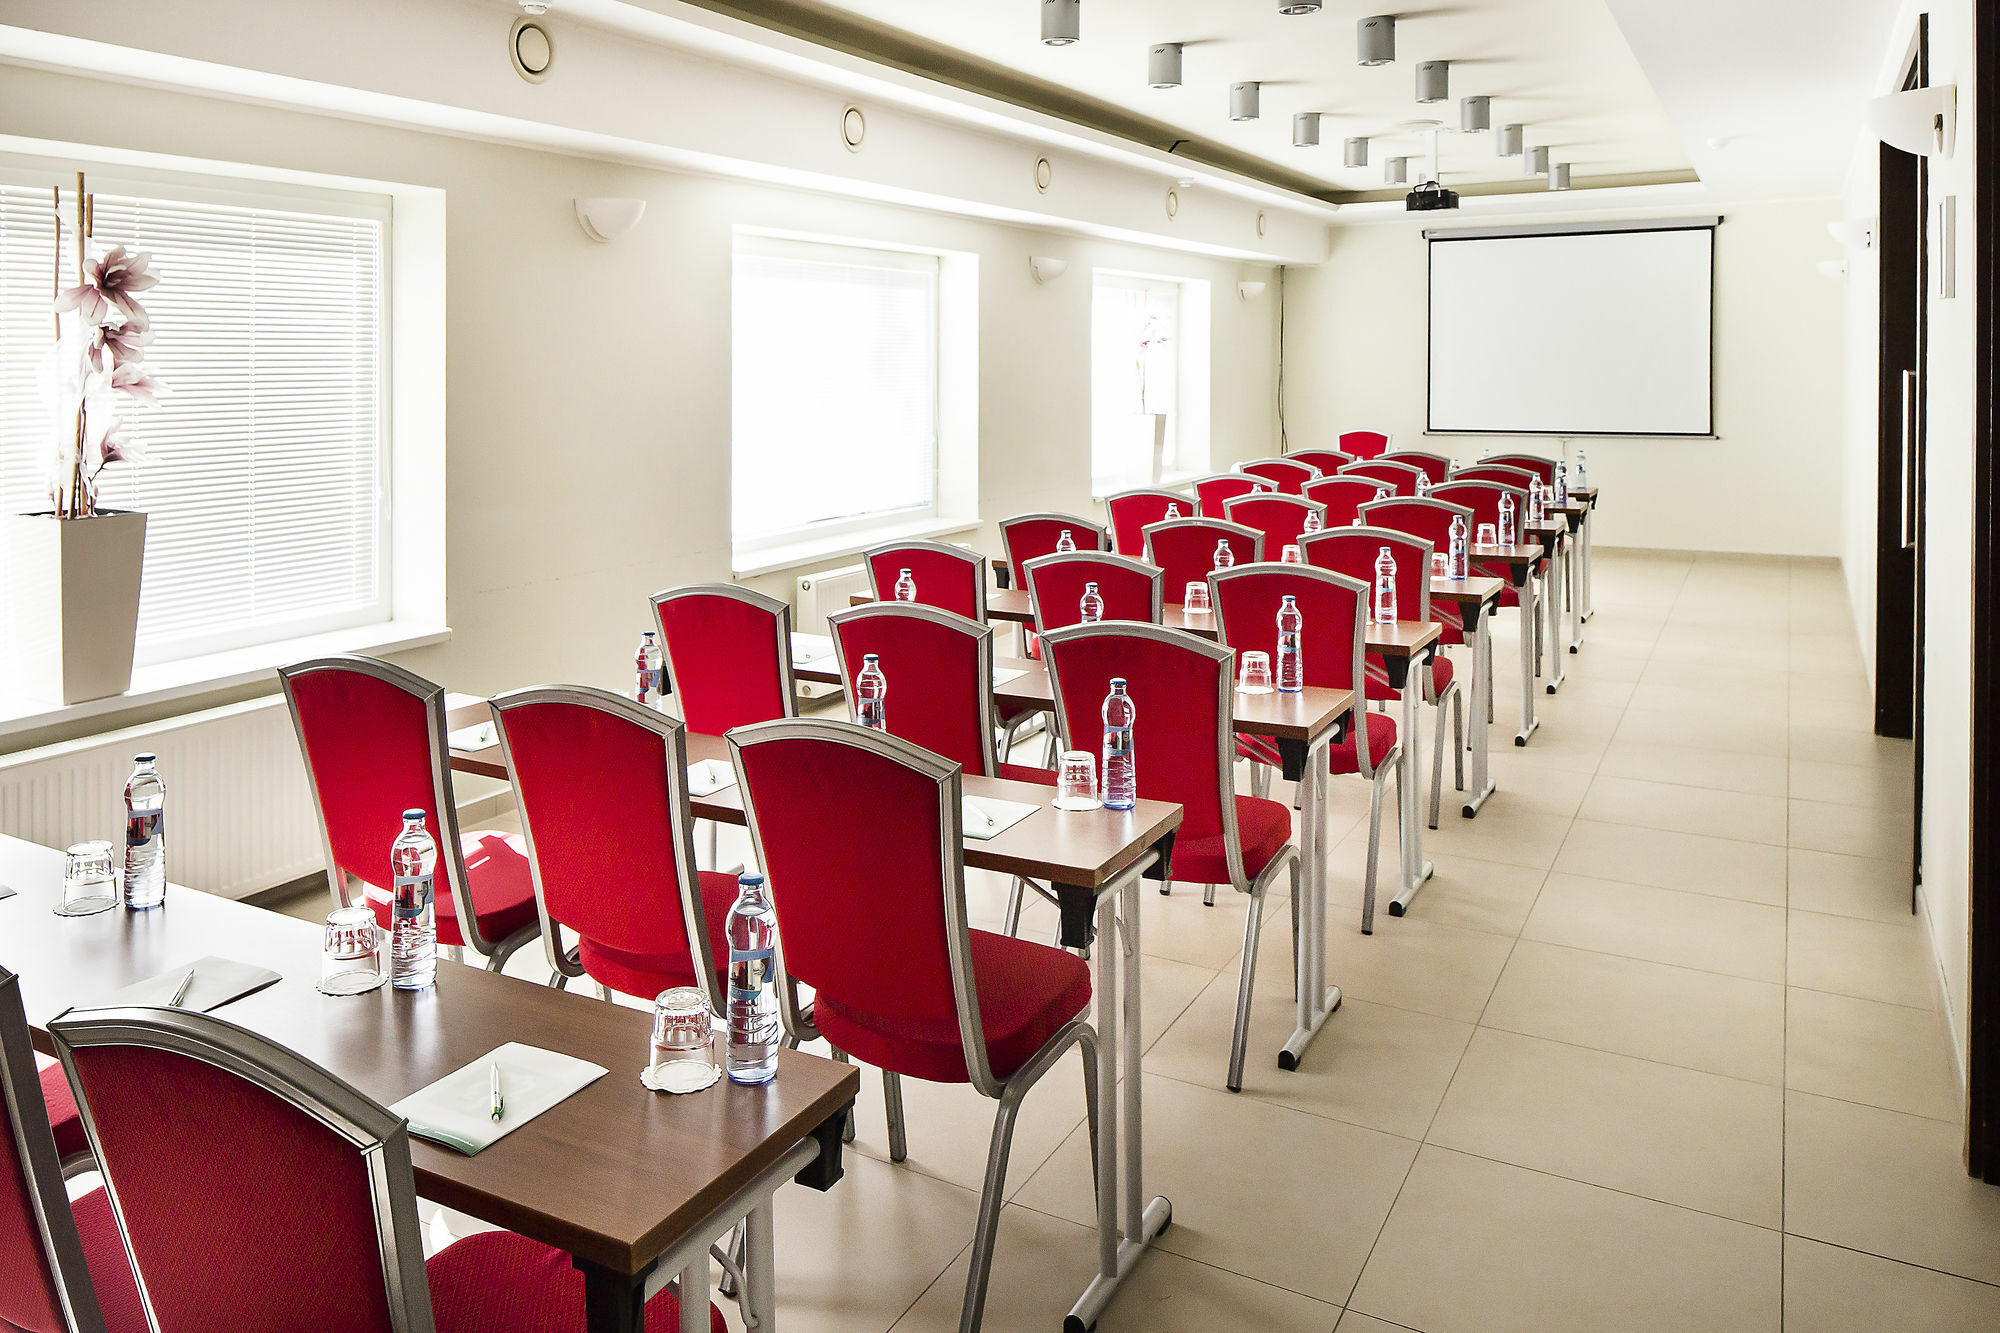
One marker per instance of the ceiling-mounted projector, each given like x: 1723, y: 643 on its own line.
x: 1430, y: 197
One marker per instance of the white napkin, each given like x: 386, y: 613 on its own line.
x: 473, y: 738
x: 457, y: 1109
x: 1001, y: 675
x: 810, y: 648
x: 985, y: 817
x: 706, y: 777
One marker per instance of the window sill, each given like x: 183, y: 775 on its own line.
x: 165, y: 682
x: 773, y: 559
x: 1178, y: 481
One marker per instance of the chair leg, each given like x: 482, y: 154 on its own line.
x: 1166, y: 888
x: 981, y: 1268
x: 1374, y: 848
x: 892, y: 1098
x: 1260, y: 779
x: 1014, y: 897
x: 846, y: 1130
x: 714, y: 843
x: 1437, y: 765
x: 1208, y: 895
x: 1458, y: 730
x: 1239, y: 1042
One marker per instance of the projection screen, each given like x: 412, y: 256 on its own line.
x: 1573, y: 331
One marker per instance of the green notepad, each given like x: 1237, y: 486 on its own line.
x: 457, y: 1109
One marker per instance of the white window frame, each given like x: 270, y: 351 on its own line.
x: 1189, y: 420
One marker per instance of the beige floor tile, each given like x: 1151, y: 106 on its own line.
x: 1875, y: 960
x: 1041, y: 1264
x: 1846, y: 745
x: 1356, y: 1322
x: 1699, y: 1020
x: 1826, y: 655
x: 1696, y: 766
x: 1874, y: 785
x: 1663, y: 805
x: 1661, y: 925
x: 1708, y: 707
x: 1212, y: 1153
x: 1720, y: 867
x: 1659, y: 1131
x: 1766, y: 735
x: 1478, y: 895
x: 1831, y: 1290
x: 1475, y: 1246
x: 1507, y: 830
x: 1849, y: 886
x: 1851, y: 830
x: 1846, y: 711
x: 1884, y: 1055
x: 1410, y: 963
x: 1889, y: 1184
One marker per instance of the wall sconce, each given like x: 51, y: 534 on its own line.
x: 1923, y: 121
x: 1853, y: 233
x: 1044, y: 269
x: 1250, y: 291
x: 604, y: 219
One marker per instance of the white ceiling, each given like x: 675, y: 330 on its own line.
x: 1561, y: 67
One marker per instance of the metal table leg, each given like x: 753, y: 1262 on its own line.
x: 1316, y: 999
x: 1414, y: 869
x: 1573, y: 583
x: 1556, y: 571
x: 1478, y: 717
x: 1589, y: 607
x: 1529, y: 722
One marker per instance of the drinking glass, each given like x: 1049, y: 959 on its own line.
x: 1255, y: 677
x: 681, y: 1056
x: 351, y: 961
x: 1292, y: 556
x: 1440, y: 565
x: 1195, y: 600
x: 1076, y: 781
x: 89, y: 887
x: 1489, y: 534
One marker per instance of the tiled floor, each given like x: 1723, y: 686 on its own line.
x: 1656, y: 1050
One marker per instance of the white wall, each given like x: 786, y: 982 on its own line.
x: 1355, y: 342
x: 589, y: 385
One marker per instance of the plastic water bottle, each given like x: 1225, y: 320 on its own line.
x: 1066, y: 544
x: 1224, y: 557
x: 1173, y: 512
x: 649, y: 664
x: 1510, y: 533
x: 1312, y: 520
x: 753, y: 997
x: 1460, y: 564
x: 1385, y: 588
x: 1289, y: 660
x: 412, y: 911
x: 1121, y: 774
x: 906, y: 587
x: 1560, y: 478
x: 1451, y: 467
x: 1582, y: 476
x: 1090, y: 608
x: 145, y: 836
x: 1535, y: 514
x: 1423, y: 484
x: 871, y: 692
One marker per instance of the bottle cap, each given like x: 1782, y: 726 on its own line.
x: 1118, y: 682
x: 646, y: 634
x: 869, y: 659
x: 142, y: 758
x: 417, y: 814
x: 747, y: 881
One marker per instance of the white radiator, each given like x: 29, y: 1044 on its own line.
x: 239, y: 812
x: 819, y: 596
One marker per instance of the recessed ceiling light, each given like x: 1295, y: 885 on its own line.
x: 1163, y: 65
x: 1061, y: 22
x: 1245, y: 101
x: 1185, y: 182
x: 535, y: 7
x: 1298, y: 6
x: 1377, y: 39
x: 1419, y: 126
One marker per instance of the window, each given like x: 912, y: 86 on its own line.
x: 835, y: 401
x: 1148, y: 381
x: 265, y: 479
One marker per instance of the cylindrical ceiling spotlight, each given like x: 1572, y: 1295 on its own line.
x: 1062, y: 22
x: 1355, y: 152
x: 1298, y: 6
x: 1163, y: 65
x: 1433, y: 80
x: 1536, y: 161
x: 1508, y: 141
x: 1396, y: 171
x: 1559, y: 176
x: 1244, y: 100
x: 1305, y: 130
x: 1377, y: 38
x: 1475, y: 114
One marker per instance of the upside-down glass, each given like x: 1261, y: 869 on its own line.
x: 1076, y: 781
x: 1195, y: 600
x: 1291, y: 556
x: 1440, y: 565
x: 1255, y: 677
x: 681, y: 1056
x: 351, y: 960
x: 89, y: 887
x: 1489, y: 535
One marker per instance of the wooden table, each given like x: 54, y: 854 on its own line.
x: 1474, y: 597
x: 1520, y: 560
x: 635, y: 1185
x: 1093, y: 860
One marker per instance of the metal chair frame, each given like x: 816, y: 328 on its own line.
x: 976, y: 561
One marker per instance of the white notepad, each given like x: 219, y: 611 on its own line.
x: 457, y: 1109
x: 706, y: 777
x: 1001, y: 675
x: 810, y: 648
x: 473, y: 738
x: 985, y: 817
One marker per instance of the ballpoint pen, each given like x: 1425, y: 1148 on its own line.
x: 499, y: 1102
x: 181, y: 991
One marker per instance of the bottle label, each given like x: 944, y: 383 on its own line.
x: 412, y: 896
x: 142, y: 826
x: 756, y: 965
x: 1117, y: 743
x: 649, y: 684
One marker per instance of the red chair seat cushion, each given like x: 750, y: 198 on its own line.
x: 1342, y: 758
x: 1258, y: 749
x: 503, y: 889
x: 646, y: 975
x: 1023, y: 773
x: 110, y: 1268
x: 63, y: 1117
x: 498, y: 1282
x: 1442, y: 672
x: 1265, y: 827
x: 1027, y: 992
x: 1380, y: 691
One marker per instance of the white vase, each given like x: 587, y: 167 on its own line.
x: 73, y: 586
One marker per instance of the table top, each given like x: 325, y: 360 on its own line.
x: 1476, y: 589
x: 1517, y: 554
x: 614, y: 1175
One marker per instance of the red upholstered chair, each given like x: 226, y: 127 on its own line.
x: 1496, y: 472
x: 1026, y: 537
x: 1482, y: 498
x: 728, y: 655
x: 948, y: 577
x: 1343, y: 496
x: 1184, y: 748
x: 1290, y: 473
x: 1213, y: 492
x: 374, y: 744
x: 1281, y: 518
x: 1334, y: 612
x: 1364, y: 443
x: 1132, y: 512
x: 1398, y: 477
x: 1131, y: 589
x: 1434, y: 466
x: 860, y: 836
x: 1545, y: 468
x: 71, y: 1146
x: 1328, y: 461
x: 215, y: 1142
x: 1184, y: 549
x: 601, y: 784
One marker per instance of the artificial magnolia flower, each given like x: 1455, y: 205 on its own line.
x: 132, y: 380
x: 118, y: 344
x: 111, y: 284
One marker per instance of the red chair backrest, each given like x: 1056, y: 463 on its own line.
x: 1291, y: 474
x: 1435, y: 466
x: 1185, y: 550
x: 1364, y: 443
x: 42, y: 1269
x: 601, y: 783
x: 1343, y: 496
x: 1131, y: 589
x: 1505, y: 475
x: 1212, y: 493
x: 728, y: 655
x: 1333, y: 607
x: 1184, y: 712
x: 256, y: 1192
x: 940, y: 672
x: 950, y: 578
x: 1328, y: 461
x: 1351, y: 553
x: 1398, y: 477
x: 1483, y: 499
x: 1281, y: 518
x: 1027, y: 537
x: 1545, y: 468
x: 1132, y: 512
x: 1428, y: 519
